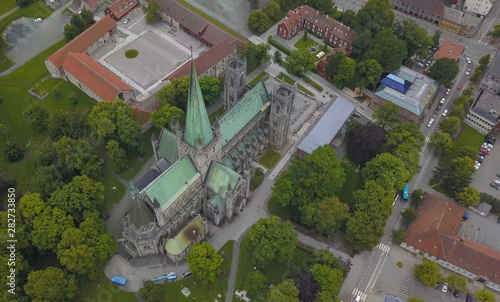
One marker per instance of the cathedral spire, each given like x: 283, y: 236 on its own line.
x: 197, y: 121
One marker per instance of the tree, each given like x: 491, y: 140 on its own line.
x: 345, y: 73
x: 210, y: 88
x: 415, y: 299
x: 80, y: 195
x: 441, y: 142
x: 428, y: 273
x: 88, y: 17
x: 364, y: 229
x: 272, y: 240
x: 272, y: 10
x: 329, y: 279
x: 333, y: 64
x: 44, y: 181
x: 51, y: 284
x: 375, y: 15
x: 461, y: 172
x: 306, y: 285
x: 398, y: 236
x: 151, y: 292
x: 435, y: 38
x: 152, y: 12
x: 299, y: 61
x: 70, y: 32
x: 115, y: 120
x: 468, y: 151
x: 386, y: 43
x: 349, y: 18
x: 204, y: 262
x: 325, y: 7
x: 31, y: 206
x: 468, y: 197
x: 387, y: 115
x: 256, y: 55
x: 86, y: 249
x: 368, y: 73
x: 495, y: 33
x: 78, y: 155
x: 72, y: 124
x: 387, y: 170
x: 457, y: 282
x: 444, y: 70
x: 326, y: 257
x: 417, y: 196
x: 364, y: 142
x: 403, y: 133
x: 278, y: 58
x: 284, y: 292
x: 361, y: 44
x: 117, y: 155
x: 330, y: 215
x: 257, y: 21
x: 304, y: 37
x: 48, y: 228
x: 484, y: 60
x: 450, y: 125
x: 79, y: 22
x: 485, y: 295
x: 416, y: 38
x: 326, y: 297
x: 36, y: 117
x: 24, y: 3
x: 409, y: 153
x: 409, y: 215
x: 12, y: 151
x: 255, y: 283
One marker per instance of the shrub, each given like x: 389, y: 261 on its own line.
x: 13, y: 152
x: 257, y: 178
x: 73, y: 97
x: 131, y: 53
x: 278, y: 45
x: 400, y: 264
x: 57, y: 93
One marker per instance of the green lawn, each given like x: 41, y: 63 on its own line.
x: 301, y: 44
x: 312, y: 83
x: 353, y: 182
x: 136, y: 161
x: 275, y: 208
x: 305, y: 90
x: 275, y: 272
x: 257, y: 78
x: 36, y: 10
x: 270, y: 158
x: 102, y: 290
x: 7, y: 5
x: 200, y: 291
x: 469, y: 137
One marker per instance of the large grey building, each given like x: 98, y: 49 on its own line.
x: 491, y: 80
x: 485, y: 112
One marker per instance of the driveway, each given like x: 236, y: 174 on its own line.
x: 27, y: 39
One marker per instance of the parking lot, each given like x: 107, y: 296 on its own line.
x: 487, y: 172
x: 482, y: 230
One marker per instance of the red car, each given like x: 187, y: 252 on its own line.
x: 483, y: 150
x: 459, y: 87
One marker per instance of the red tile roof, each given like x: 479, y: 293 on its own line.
x: 121, y: 7
x: 205, y: 61
x: 292, y: 20
x: 95, y: 76
x: 449, y: 49
x: 92, y: 4
x: 84, y: 40
x: 435, y: 231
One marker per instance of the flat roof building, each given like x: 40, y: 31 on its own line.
x: 408, y: 89
x: 491, y: 80
x: 484, y: 114
x: 328, y: 126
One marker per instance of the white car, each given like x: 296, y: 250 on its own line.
x: 430, y: 123
x: 467, y: 72
x: 126, y: 21
x: 442, y: 101
x: 444, y: 289
x: 38, y: 20
x: 445, y: 112
x: 468, y: 60
x: 448, y: 91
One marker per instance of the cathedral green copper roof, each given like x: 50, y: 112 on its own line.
x: 217, y: 202
x: 173, y: 182
x: 177, y: 245
x: 219, y: 177
x: 167, y: 146
x: 254, y: 102
x: 197, y: 121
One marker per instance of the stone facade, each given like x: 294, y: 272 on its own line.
x: 234, y: 85
x: 280, y: 116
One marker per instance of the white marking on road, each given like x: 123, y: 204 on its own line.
x: 378, y: 273
x: 385, y: 248
x: 359, y: 293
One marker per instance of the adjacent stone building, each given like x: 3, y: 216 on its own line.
x: 203, y: 167
x: 478, y: 7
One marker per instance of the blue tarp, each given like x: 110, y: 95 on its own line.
x: 119, y: 280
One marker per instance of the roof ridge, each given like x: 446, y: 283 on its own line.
x: 92, y: 69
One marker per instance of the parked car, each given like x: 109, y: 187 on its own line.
x: 186, y: 274
x: 420, y: 169
x: 438, y: 285
x: 456, y: 293
x: 442, y: 101
x: 126, y: 21
x: 483, y: 150
x: 496, y: 186
x: 468, y: 298
x: 468, y: 60
x: 430, y: 123
x: 498, y: 174
x: 445, y: 112
x: 480, y: 160
x: 448, y: 91
x: 491, y: 138
x: 467, y: 72
x: 459, y: 87
x: 444, y: 289
x: 38, y: 20
x: 498, y: 220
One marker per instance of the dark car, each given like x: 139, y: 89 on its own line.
x: 456, y: 293
x: 480, y: 160
x: 420, y: 169
x: 491, y: 138
x: 438, y: 285
x: 468, y: 298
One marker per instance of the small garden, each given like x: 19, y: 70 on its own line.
x: 310, y: 44
x: 270, y: 158
x: 257, y: 79
x: 257, y: 179
x: 291, y: 82
x: 131, y: 53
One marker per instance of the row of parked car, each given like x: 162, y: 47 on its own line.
x: 485, y: 149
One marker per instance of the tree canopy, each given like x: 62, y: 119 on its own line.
x: 152, y: 12
x: 383, y: 44
x: 284, y: 292
x: 428, y: 273
x: 345, y: 72
x: 175, y: 93
x: 441, y: 142
x: 387, y: 115
x: 398, y: 236
x: 78, y: 155
x: 257, y: 21
x: 387, y: 170
x: 329, y: 279
x: 31, y: 206
x: 72, y: 124
x: 36, y: 117
x: 255, y: 283
x: 272, y: 240
x: 48, y: 228
x: 368, y: 73
x: 468, y: 197
x: 457, y: 282
x: 151, y: 292
x: 333, y: 64
x: 299, y: 61
x: 364, y: 142
x: 484, y: 295
x: 444, y: 70
x: 376, y: 15
x: 256, y: 55
x: 329, y: 215
x: 204, y: 262
x: 51, y: 284
x: 210, y: 88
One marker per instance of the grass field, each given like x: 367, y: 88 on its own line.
x: 36, y: 10
x: 269, y: 158
x: 353, y: 182
x: 135, y: 161
x: 275, y: 272
x: 469, y: 137
x: 200, y: 291
x: 312, y: 83
x: 275, y: 208
x: 301, y: 44
x: 291, y: 82
x: 7, y: 5
x: 257, y: 78
x: 102, y: 290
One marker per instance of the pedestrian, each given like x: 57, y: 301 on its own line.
x: 258, y: 207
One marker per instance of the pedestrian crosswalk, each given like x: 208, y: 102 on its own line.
x: 384, y: 247
x: 356, y: 292
x: 256, y: 40
x: 406, y: 286
x: 427, y: 139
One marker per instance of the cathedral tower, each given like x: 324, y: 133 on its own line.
x: 280, y: 115
x: 234, y: 86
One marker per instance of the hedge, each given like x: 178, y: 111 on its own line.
x: 278, y: 45
x: 312, y: 83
